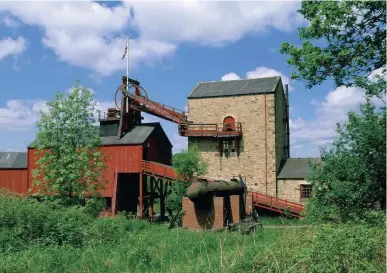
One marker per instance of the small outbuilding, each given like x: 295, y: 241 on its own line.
x: 13, y: 171
x: 292, y: 180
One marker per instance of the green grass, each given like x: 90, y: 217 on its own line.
x: 281, y: 221
x: 39, y: 237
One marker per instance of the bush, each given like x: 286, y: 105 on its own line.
x: 36, y: 222
x: 346, y: 248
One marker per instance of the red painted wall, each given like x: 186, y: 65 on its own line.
x: 123, y: 159
x: 14, y: 180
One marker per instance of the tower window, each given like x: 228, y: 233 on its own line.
x: 229, y: 124
x: 229, y: 149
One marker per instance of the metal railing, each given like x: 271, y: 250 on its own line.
x: 158, y: 169
x: 276, y: 204
x: 212, y: 129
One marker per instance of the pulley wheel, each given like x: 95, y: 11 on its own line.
x: 132, y: 90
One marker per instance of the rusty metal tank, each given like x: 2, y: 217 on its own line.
x: 203, y: 188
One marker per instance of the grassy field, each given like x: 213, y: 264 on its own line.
x: 37, y: 237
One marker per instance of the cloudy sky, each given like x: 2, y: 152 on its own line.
x: 45, y: 46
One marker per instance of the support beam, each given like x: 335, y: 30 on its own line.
x: 162, y: 198
x: 114, y: 199
x: 141, y: 197
x: 151, y: 200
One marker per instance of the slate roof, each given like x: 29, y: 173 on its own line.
x: 293, y: 168
x: 235, y: 87
x: 138, y: 135
x: 13, y: 160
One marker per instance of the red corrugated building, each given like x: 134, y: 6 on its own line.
x: 124, y: 159
x: 13, y: 171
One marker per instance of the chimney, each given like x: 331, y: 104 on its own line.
x: 287, y: 120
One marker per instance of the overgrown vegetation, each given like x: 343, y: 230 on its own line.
x: 187, y: 164
x: 41, y: 237
x: 346, y: 41
x: 69, y: 161
x: 351, y: 180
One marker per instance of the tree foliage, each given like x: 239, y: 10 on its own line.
x: 345, y: 40
x: 69, y: 160
x: 351, y: 179
x: 187, y: 164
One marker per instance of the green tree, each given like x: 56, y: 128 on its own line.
x: 344, y: 40
x: 187, y: 165
x: 351, y: 179
x: 69, y: 163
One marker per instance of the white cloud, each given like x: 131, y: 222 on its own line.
x: 179, y: 143
x: 20, y: 114
x: 263, y: 72
x: 259, y: 72
x: 329, y: 112
x: 230, y: 77
x: 220, y: 22
x: 9, y: 22
x: 380, y: 72
x: 9, y: 46
x: 90, y: 34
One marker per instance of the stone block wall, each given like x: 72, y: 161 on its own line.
x: 258, y: 159
x: 280, y: 126
x: 290, y: 189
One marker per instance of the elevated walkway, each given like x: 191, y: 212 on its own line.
x: 260, y: 200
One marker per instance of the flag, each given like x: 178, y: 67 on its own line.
x: 126, y: 50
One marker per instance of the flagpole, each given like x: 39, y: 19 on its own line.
x: 127, y: 65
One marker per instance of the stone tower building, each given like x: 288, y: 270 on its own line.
x: 257, y: 107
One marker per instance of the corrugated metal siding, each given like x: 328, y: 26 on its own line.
x: 127, y: 159
x: 14, y: 180
x: 159, y: 150
x: 124, y: 159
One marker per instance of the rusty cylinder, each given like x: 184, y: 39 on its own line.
x: 199, y: 189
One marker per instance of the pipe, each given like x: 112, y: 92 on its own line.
x: 266, y: 143
x: 287, y: 121
x: 201, y: 188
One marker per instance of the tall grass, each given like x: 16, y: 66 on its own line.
x: 38, y: 237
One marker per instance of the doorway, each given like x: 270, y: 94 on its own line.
x: 128, y: 192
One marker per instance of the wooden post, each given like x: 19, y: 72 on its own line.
x: 114, y: 199
x: 141, y: 197
x: 162, y: 199
x: 151, y: 200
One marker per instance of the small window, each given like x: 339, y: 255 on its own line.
x: 305, y: 191
x: 229, y: 124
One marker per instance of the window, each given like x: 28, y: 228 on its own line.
x: 305, y: 191
x: 229, y: 148
x: 229, y: 124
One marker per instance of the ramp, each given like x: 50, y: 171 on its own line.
x: 276, y: 204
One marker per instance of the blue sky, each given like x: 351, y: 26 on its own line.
x: 44, y: 47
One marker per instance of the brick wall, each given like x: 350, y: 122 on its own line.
x: 290, y: 189
x: 258, y: 160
